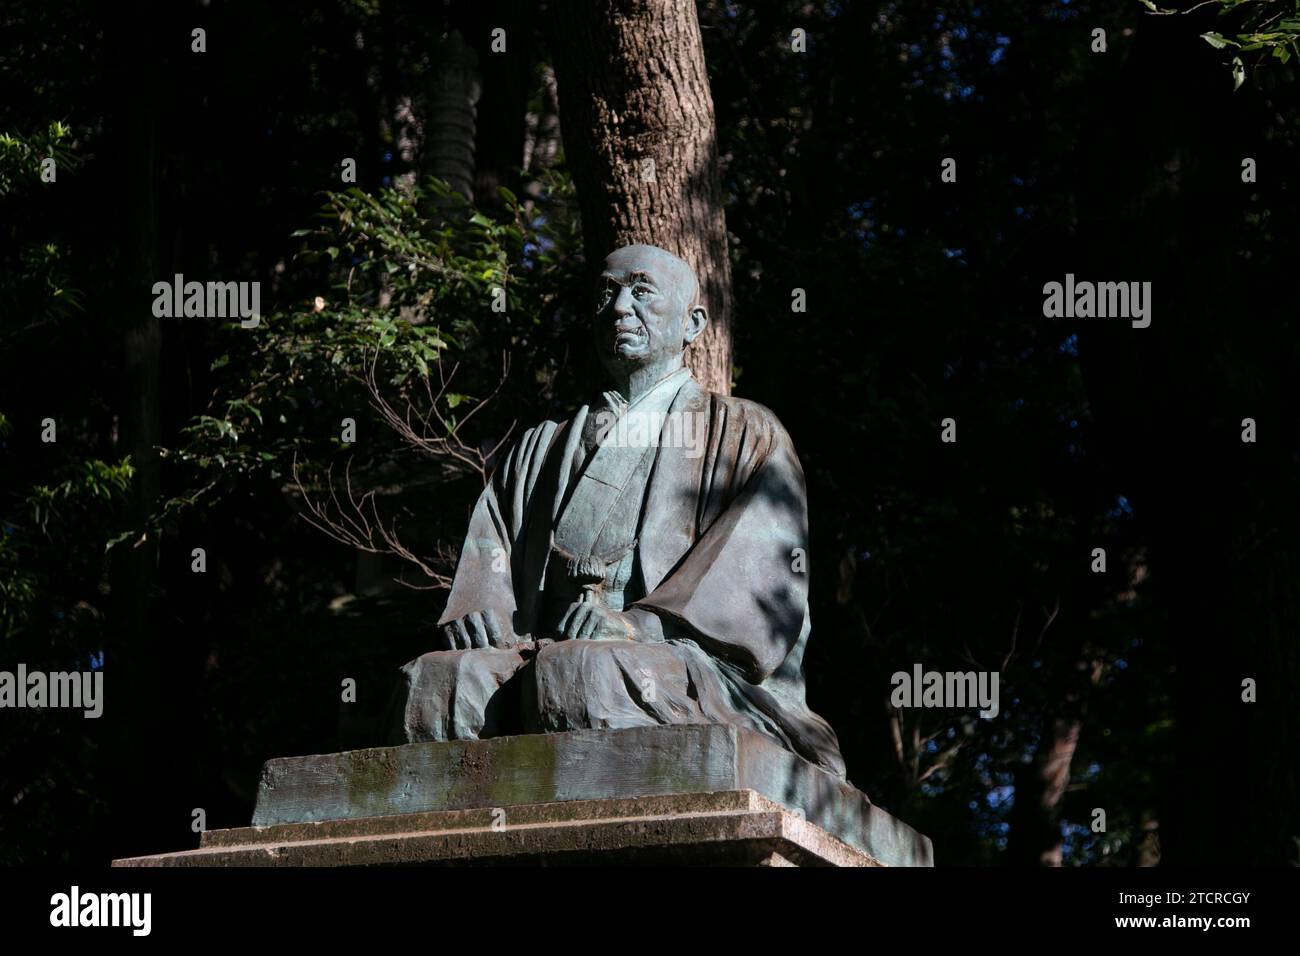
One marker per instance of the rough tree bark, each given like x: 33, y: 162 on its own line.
x: 638, y: 128
x: 1035, y: 838
x: 449, y: 139
x: 1035, y: 818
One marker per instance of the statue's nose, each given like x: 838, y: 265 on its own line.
x: 623, y: 303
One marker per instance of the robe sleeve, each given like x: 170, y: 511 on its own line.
x: 486, y: 572
x: 741, y: 591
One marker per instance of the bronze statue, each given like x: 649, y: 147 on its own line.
x: 642, y: 563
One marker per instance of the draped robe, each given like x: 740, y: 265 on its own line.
x: 700, y: 536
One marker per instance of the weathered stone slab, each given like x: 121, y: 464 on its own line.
x: 580, y: 765
x: 736, y: 827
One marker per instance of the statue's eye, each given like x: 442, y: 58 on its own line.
x: 606, y: 295
x: 641, y: 291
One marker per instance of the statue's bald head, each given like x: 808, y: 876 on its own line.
x: 670, y: 271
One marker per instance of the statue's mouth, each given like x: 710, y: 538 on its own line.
x: 629, y: 342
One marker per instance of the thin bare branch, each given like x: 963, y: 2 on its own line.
x: 352, y: 527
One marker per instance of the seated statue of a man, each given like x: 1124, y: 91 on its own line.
x: 641, y: 563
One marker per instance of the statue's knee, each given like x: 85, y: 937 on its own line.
x: 607, y: 684
x: 570, y: 657
x: 450, y: 694
x: 434, y: 662
x: 492, y: 662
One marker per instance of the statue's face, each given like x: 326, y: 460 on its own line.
x: 644, y: 308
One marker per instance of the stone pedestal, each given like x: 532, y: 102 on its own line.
x: 730, y: 827
x: 699, y: 794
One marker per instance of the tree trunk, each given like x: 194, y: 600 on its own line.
x: 507, y: 81
x: 638, y: 128
x: 449, y: 140
x: 133, y: 656
x: 1035, y: 838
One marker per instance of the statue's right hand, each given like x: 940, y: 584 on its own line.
x: 478, y: 629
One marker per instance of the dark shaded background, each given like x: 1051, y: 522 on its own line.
x: 924, y: 302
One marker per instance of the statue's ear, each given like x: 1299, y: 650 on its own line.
x: 696, y: 319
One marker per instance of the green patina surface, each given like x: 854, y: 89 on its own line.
x: 371, y: 780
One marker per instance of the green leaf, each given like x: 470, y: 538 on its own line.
x: 1215, y: 40
x: 116, y: 540
x: 1238, y: 73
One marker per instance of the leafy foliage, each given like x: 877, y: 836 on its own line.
x: 414, y: 305
x: 1264, y: 27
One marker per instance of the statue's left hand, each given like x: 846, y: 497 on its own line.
x: 596, y: 621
